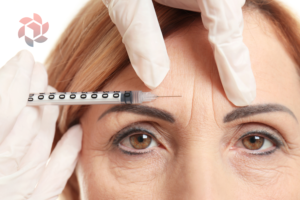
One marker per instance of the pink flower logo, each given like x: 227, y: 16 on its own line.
x: 39, y: 29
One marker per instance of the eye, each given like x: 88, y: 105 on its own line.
x: 137, y: 141
x: 259, y: 143
x: 256, y: 142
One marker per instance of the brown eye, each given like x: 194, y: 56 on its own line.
x: 253, y: 142
x: 140, y: 141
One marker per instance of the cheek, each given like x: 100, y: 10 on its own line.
x: 265, y: 174
x: 136, y: 168
x: 115, y: 174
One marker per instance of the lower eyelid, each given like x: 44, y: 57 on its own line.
x: 258, y: 153
x: 135, y: 152
x: 265, y: 152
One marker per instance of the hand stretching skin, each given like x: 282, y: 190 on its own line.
x: 27, y: 134
x: 137, y: 23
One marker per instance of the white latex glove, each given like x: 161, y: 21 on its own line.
x: 27, y: 133
x: 138, y: 25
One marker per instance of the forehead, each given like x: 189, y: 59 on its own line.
x: 194, y: 74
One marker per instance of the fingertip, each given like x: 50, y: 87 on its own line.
x: 42, y: 72
x: 23, y: 58
x: 24, y: 52
x: 25, y: 55
x: 39, y: 79
x: 41, y: 66
x: 50, y: 89
x: 155, y: 82
x: 151, y: 87
x: 73, y: 136
x: 242, y: 100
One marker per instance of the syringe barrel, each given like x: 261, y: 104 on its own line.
x: 85, y: 98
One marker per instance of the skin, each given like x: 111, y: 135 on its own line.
x: 199, y: 155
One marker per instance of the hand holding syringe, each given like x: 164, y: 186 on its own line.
x: 27, y: 129
x: 27, y: 133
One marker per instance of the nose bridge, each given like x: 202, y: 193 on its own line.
x: 208, y: 177
x: 202, y: 172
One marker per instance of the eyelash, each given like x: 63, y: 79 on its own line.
x: 129, y: 131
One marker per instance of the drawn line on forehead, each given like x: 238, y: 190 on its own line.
x: 255, y: 110
x: 141, y: 110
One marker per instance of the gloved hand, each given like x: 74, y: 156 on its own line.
x: 27, y: 133
x: 137, y: 23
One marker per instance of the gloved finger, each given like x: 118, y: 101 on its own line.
x: 39, y: 80
x: 16, y: 144
x: 14, y: 88
x: 40, y: 148
x: 191, y: 5
x: 22, y: 62
x: 21, y: 184
x: 60, y: 166
x: 137, y: 23
x: 224, y: 20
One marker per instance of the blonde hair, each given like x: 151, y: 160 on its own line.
x: 90, y: 52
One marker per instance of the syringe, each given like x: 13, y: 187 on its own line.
x: 88, y: 98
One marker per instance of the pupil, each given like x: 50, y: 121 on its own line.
x: 140, y: 138
x: 252, y: 139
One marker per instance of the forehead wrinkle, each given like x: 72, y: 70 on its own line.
x: 192, y: 104
x: 212, y: 97
x: 182, y: 68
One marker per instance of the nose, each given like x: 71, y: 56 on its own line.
x: 200, y: 173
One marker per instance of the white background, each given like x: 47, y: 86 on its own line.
x: 58, y: 13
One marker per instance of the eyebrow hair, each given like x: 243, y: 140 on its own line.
x: 141, y: 110
x: 256, y: 109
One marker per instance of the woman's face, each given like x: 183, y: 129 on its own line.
x: 199, y: 146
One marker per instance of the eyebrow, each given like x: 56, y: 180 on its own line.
x: 141, y: 110
x: 256, y: 109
